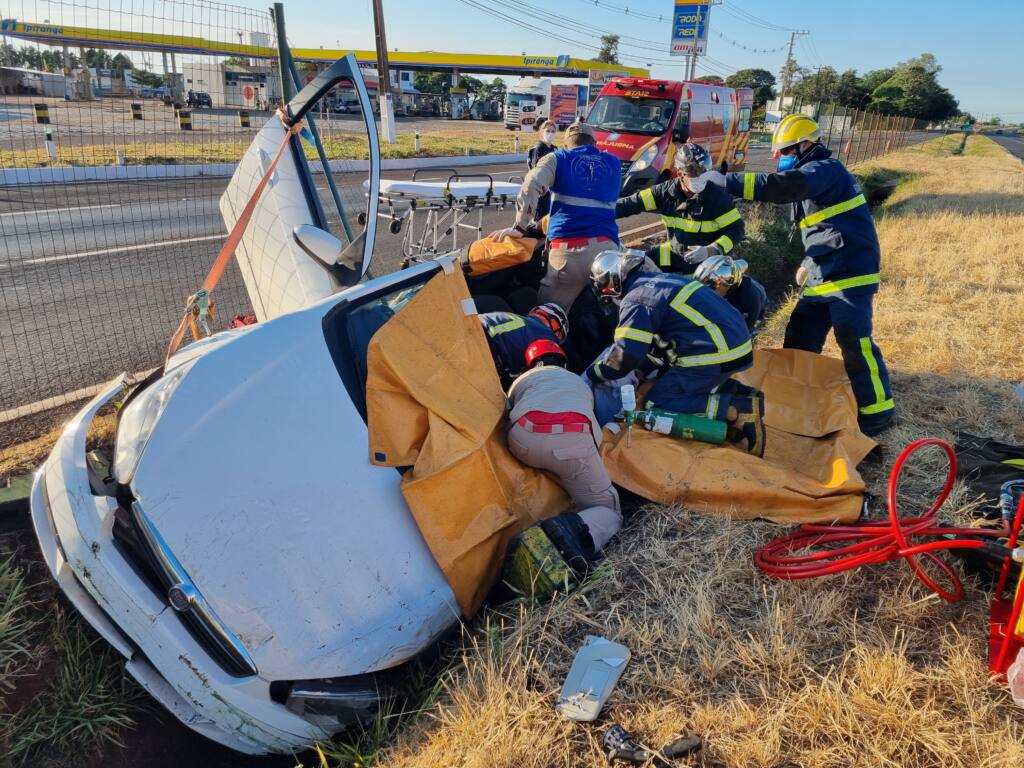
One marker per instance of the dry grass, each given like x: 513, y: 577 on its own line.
x: 25, y: 457
x: 864, y: 669
x: 199, y: 149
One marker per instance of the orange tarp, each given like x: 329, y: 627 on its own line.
x: 809, y: 470
x: 434, y: 402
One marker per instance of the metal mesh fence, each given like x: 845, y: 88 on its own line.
x: 113, y: 155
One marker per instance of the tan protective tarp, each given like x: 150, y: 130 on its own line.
x: 486, y: 255
x: 809, y: 470
x: 434, y: 402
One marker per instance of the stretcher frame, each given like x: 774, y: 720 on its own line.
x: 445, y: 215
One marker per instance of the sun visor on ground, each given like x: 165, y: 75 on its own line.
x: 434, y: 402
x: 809, y: 471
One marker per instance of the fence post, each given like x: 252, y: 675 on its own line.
x: 51, y: 148
x: 858, y: 135
x: 416, y: 141
x: 42, y: 114
x: 136, y: 111
x: 185, y: 119
x: 842, y: 135
x: 873, y: 143
x: 243, y: 119
x: 831, y: 118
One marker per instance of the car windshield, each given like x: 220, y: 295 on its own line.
x: 618, y: 114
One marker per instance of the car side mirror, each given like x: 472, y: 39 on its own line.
x: 326, y: 248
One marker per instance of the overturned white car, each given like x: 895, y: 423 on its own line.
x: 262, y: 596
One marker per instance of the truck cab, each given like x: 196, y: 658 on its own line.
x: 533, y: 93
x: 641, y: 121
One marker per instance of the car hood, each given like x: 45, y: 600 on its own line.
x: 257, y: 477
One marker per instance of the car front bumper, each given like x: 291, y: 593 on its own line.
x: 74, y: 528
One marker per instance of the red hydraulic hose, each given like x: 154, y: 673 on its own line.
x: 820, y: 550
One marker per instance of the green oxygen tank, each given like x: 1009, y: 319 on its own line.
x: 683, y: 425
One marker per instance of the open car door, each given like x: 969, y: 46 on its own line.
x: 304, y: 241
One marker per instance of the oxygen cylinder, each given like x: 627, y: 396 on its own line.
x: 683, y: 425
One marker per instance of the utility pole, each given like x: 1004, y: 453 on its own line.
x: 787, y: 67
x: 387, y: 108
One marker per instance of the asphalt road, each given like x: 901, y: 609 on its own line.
x: 93, y: 276
x: 1012, y: 144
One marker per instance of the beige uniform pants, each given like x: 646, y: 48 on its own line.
x: 569, y: 271
x: 573, y: 458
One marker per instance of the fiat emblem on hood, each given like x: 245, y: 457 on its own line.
x: 180, y: 597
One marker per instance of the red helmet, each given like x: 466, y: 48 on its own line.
x: 554, y: 317
x: 543, y: 347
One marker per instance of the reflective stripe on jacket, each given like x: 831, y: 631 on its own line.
x: 509, y: 335
x: 840, y: 242
x: 679, y: 320
x: 709, y: 218
x: 583, y: 194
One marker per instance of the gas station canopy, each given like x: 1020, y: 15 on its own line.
x: 435, y: 61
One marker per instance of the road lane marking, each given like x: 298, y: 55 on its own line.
x: 59, y: 210
x: 105, y: 251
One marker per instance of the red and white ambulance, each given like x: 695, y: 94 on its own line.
x: 641, y: 121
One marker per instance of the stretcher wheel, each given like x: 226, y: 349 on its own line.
x: 361, y: 218
x: 395, y: 226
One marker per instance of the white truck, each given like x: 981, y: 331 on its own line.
x: 527, y: 103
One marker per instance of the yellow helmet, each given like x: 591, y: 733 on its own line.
x: 793, y: 129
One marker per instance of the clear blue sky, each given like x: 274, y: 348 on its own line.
x: 977, y: 43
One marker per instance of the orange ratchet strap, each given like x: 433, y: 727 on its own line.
x: 200, y: 304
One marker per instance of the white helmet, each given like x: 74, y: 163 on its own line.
x: 610, y: 270
x: 721, y: 271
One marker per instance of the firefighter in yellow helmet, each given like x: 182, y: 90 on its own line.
x: 841, y: 263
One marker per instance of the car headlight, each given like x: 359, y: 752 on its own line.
x: 139, y: 418
x: 646, y: 158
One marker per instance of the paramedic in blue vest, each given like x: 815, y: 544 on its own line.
x: 841, y: 263
x: 698, y: 336
x: 700, y: 223
x: 584, y: 183
x: 510, y: 335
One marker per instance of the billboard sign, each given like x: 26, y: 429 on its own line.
x: 690, y: 27
x: 597, y: 79
x: 563, y: 104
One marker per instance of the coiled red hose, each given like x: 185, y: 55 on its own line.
x: 820, y: 550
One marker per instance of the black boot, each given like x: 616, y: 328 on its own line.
x: 572, y: 539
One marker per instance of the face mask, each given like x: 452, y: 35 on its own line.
x: 549, y: 136
x: 788, y: 162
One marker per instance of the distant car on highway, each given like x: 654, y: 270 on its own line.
x: 199, y: 99
x: 264, y: 582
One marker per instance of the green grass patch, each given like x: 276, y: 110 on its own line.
x: 88, y: 701
x: 772, y: 246
x: 18, y: 622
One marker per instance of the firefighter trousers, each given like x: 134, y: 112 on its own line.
x: 691, y: 391
x: 850, y: 318
x: 572, y: 457
x: 569, y: 269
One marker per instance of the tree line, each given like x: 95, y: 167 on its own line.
x: 910, y: 89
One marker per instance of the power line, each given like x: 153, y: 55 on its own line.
x: 733, y: 43
x: 737, y: 12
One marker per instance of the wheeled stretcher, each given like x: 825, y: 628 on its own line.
x: 449, y: 205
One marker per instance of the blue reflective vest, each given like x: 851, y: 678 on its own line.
x: 509, y: 335
x: 583, y: 196
x: 840, y: 242
x: 677, y: 319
